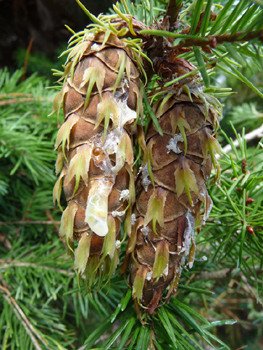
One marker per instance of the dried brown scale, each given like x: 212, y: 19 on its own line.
x: 95, y: 155
x: 167, y: 212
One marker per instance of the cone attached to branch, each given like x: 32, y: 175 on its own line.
x: 172, y: 196
x: 101, y: 102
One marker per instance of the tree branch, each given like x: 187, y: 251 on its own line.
x: 257, y: 133
x: 25, y: 222
x: 173, y: 10
x: 220, y: 274
x: 213, y: 41
x: 24, y: 320
x: 14, y: 263
x: 52, y: 219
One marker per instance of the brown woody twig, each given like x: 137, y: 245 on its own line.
x: 33, y: 334
x: 219, y: 39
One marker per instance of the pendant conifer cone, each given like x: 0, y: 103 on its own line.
x: 101, y: 102
x: 168, y: 207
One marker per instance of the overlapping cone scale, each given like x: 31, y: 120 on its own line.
x: 101, y: 102
x: 169, y: 208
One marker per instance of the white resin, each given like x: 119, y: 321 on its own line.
x: 126, y: 82
x: 172, y: 145
x: 208, y: 207
x: 173, y: 253
x: 97, y: 223
x: 125, y: 195
x: 149, y: 275
x: 117, y: 213
x: 112, y: 145
x: 145, y: 180
x: 95, y: 47
x: 126, y: 114
x: 189, y: 233
x: 112, y: 141
x: 133, y: 219
x: 89, y: 36
x: 165, y: 272
x: 96, y: 213
x: 145, y: 230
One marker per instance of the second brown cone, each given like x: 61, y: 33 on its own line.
x: 172, y: 196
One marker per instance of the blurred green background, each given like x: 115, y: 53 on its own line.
x: 39, y: 27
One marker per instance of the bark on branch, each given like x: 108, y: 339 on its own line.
x: 31, y: 331
x: 214, y: 40
x: 257, y: 133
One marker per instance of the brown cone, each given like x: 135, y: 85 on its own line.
x: 101, y: 102
x: 168, y: 212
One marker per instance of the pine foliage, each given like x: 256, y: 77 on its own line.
x: 42, y: 306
